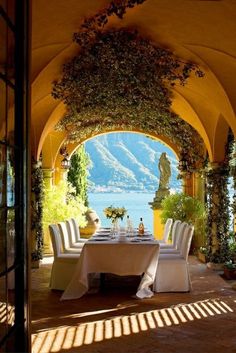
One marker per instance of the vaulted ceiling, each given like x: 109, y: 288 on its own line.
x: 198, y: 30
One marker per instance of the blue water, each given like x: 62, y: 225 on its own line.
x: 136, y: 204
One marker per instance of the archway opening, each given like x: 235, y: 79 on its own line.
x: 124, y: 172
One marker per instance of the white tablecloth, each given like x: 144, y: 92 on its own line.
x: 120, y: 258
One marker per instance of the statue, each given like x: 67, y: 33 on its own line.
x: 165, y: 171
x: 163, y: 189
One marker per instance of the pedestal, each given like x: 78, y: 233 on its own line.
x: 158, y: 227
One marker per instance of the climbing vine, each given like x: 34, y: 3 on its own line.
x: 218, y: 213
x: 37, y: 188
x: 124, y: 81
x: 218, y: 204
x: 91, y: 27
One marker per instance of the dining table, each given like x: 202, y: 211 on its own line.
x: 119, y: 254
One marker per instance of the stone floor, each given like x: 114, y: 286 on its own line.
x: 113, y: 321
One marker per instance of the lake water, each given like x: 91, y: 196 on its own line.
x: 136, y: 204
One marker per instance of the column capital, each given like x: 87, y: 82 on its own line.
x: 48, y: 176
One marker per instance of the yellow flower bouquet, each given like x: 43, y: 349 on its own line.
x: 114, y: 213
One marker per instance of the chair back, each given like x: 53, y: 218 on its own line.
x: 186, y: 243
x: 179, y: 234
x: 64, y: 236
x: 167, y: 229
x: 71, y: 232
x: 76, y: 229
x: 55, y: 239
x: 174, y: 231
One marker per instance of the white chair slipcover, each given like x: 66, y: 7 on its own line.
x: 66, y: 248
x: 178, y: 241
x: 77, y: 231
x: 174, y: 232
x: 64, y: 264
x: 166, y: 231
x: 72, y: 236
x: 172, y: 271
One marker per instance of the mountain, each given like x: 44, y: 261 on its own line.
x: 127, y: 162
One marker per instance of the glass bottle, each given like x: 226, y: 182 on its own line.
x: 128, y: 226
x: 141, y: 227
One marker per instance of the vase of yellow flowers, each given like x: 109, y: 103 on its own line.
x: 115, y: 213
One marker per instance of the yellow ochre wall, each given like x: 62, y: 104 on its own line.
x: 158, y: 227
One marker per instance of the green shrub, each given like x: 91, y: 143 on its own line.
x: 59, y: 205
x: 184, y: 208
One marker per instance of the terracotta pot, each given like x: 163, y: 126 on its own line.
x: 35, y: 263
x: 229, y: 273
x: 202, y: 257
x: 92, y: 225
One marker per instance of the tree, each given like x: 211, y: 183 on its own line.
x: 78, y: 173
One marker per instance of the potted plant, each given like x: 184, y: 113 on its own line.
x: 202, y: 254
x: 36, y: 258
x: 230, y: 270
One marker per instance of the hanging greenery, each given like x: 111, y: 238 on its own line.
x: 37, y: 189
x: 232, y: 164
x: 123, y: 81
x: 92, y: 26
x: 218, y: 205
x: 78, y: 173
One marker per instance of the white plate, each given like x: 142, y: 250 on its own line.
x: 100, y: 238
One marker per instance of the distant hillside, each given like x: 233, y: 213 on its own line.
x: 127, y: 162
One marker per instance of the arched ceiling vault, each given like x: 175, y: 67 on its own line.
x: 200, y: 31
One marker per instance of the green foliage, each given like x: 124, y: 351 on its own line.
x: 218, y: 208
x: 184, y: 208
x: 230, y: 265
x: 123, y: 81
x: 91, y: 26
x: 37, y: 196
x: 78, y: 173
x: 60, y: 204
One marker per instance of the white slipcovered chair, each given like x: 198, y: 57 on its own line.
x: 66, y: 246
x: 171, y: 249
x: 166, y: 231
x: 174, y: 236
x: 77, y: 231
x: 64, y: 264
x: 172, y: 271
x: 72, y: 229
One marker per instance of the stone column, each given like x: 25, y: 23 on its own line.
x: 188, y: 185
x: 48, y: 177
x: 60, y: 174
x: 199, y: 186
x: 48, y: 174
x: 199, y: 193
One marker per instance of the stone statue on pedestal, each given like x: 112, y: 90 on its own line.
x: 165, y: 171
x: 165, y: 174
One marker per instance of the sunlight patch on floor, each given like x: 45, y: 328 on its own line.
x: 61, y: 338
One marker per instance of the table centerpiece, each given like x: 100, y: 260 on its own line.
x: 115, y: 213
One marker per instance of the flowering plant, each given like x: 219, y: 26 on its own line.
x: 114, y: 212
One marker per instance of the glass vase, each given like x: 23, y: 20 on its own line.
x: 115, y: 226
